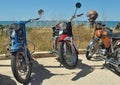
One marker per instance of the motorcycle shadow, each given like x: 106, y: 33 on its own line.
x: 6, y: 80
x: 39, y: 73
x: 97, y: 58
x: 103, y: 65
x: 110, y: 67
x: 85, y: 70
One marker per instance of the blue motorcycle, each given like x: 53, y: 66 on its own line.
x: 20, y: 55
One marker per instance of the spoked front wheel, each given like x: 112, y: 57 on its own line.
x: 91, y: 50
x: 68, y: 55
x: 20, y: 68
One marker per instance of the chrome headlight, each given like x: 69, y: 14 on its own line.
x: 62, y: 25
x: 12, y: 34
x: 60, y: 32
x: 15, y: 26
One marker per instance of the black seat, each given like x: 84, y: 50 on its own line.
x: 114, y: 35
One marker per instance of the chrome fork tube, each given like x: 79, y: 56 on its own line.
x: 112, y: 47
x: 26, y: 57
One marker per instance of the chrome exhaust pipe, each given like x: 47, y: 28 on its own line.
x: 113, y: 62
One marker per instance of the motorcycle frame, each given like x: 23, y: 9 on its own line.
x: 16, y: 45
x: 113, y: 44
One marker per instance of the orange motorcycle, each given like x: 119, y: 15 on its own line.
x: 107, y: 44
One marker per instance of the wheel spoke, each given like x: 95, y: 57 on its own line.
x: 22, y: 67
x: 69, y: 54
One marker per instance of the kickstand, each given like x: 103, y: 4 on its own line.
x: 103, y: 66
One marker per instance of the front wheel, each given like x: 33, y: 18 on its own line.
x: 68, y: 55
x: 91, y: 49
x: 20, y: 68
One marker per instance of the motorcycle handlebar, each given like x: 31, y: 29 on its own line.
x: 79, y: 15
x: 31, y: 20
x: 75, y: 16
x: 35, y: 19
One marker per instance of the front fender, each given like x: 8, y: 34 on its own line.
x: 72, y: 43
x: 93, y: 42
x: 17, y: 47
x: 63, y: 37
x: 67, y: 38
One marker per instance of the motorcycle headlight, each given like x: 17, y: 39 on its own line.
x: 15, y: 26
x: 12, y: 34
x: 60, y: 32
x: 62, y: 25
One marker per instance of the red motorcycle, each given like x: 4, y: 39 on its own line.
x: 63, y: 43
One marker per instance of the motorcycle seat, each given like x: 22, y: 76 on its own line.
x: 114, y: 35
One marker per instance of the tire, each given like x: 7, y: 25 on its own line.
x: 91, y: 50
x: 117, y: 58
x: 18, y: 65
x: 68, y: 55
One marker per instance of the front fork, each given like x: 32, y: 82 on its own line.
x: 26, y: 54
x: 93, y: 42
x: 72, y: 43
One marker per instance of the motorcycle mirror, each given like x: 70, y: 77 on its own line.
x: 40, y: 12
x: 78, y: 5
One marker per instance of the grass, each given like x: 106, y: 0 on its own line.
x: 42, y: 37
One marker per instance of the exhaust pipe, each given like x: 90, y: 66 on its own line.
x: 113, y: 62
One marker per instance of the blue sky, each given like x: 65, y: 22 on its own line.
x: 57, y: 9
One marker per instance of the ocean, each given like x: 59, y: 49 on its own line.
x: 49, y: 24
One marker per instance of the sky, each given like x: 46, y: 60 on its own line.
x: 58, y: 9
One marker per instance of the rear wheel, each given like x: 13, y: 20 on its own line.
x: 20, y: 68
x: 68, y: 55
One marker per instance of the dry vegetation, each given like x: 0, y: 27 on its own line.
x: 42, y: 37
